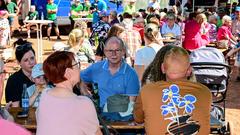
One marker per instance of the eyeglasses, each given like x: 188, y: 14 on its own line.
x: 78, y: 64
x: 117, y: 51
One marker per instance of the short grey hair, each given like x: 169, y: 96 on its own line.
x: 212, y: 17
x: 171, y: 16
x: 117, y: 40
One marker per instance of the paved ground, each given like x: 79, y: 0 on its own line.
x: 233, y: 94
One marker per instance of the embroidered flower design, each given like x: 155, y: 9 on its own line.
x: 187, y: 102
x: 173, y: 102
x: 169, y: 108
x: 171, y: 94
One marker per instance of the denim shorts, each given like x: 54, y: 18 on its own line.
x: 10, y: 20
x: 54, y: 24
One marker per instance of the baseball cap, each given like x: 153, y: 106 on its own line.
x: 37, y: 70
x: 103, y: 14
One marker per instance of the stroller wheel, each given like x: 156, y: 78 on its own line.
x: 225, y: 130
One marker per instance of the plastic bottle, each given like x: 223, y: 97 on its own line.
x: 25, y: 99
x: 42, y: 16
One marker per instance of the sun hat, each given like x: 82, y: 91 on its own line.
x: 37, y: 70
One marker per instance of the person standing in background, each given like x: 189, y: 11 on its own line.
x: 99, y: 5
x: 13, y: 11
x: 52, y: 15
x: 130, y: 8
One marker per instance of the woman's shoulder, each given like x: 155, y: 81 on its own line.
x: 17, y: 75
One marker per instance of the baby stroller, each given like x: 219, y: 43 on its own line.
x: 210, y: 69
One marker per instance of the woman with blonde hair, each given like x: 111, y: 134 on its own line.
x: 79, y: 45
x: 205, y: 26
x: 83, y: 26
x: 145, y: 55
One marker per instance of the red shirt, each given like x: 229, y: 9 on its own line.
x: 223, y: 32
x: 193, y: 37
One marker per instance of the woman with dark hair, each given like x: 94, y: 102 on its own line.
x: 59, y: 107
x: 25, y: 56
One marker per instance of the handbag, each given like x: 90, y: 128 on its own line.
x: 118, y: 103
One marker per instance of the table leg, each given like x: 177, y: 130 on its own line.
x: 41, y: 44
x: 38, y: 44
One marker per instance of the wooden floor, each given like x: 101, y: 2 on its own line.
x: 233, y: 94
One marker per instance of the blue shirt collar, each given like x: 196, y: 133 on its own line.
x: 121, y: 70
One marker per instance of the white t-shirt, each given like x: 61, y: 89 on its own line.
x: 145, y: 55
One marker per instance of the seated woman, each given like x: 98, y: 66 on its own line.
x: 60, y: 111
x: 80, y: 46
x: 196, y: 32
x: 145, y: 55
x: 225, y: 37
x: 25, y: 56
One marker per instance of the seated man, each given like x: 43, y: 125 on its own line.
x: 176, y: 106
x: 32, y: 15
x: 170, y: 28
x: 113, y: 75
x: 76, y: 11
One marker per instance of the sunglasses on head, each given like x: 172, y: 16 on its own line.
x: 24, y: 46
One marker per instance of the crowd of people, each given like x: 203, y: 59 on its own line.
x: 128, y: 54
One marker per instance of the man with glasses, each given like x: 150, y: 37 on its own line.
x: 113, y: 75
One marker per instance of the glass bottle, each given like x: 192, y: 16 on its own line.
x: 25, y: 99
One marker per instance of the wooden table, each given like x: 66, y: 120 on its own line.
x: 83, y: 19
x: 31, y: 124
